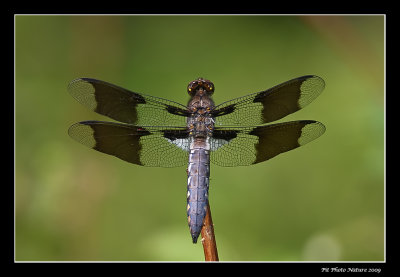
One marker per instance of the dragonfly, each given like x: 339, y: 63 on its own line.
x: 157, y: 132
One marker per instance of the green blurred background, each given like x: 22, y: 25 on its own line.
x: 324, y: 201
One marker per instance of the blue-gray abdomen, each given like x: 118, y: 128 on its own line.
x: 197, y: 196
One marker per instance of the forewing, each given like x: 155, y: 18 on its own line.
x: 269, y: 105
x: 126, y: 106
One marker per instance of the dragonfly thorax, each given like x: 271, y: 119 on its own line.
x: 200, y: 125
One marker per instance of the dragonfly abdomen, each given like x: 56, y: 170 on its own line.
x: 197, y: 195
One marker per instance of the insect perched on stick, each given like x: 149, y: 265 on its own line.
x: 158, y: 132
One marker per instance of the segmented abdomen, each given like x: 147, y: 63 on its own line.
x: 197, y: 195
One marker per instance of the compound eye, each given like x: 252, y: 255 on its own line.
x: 192, y: 87
x: 209, y: 87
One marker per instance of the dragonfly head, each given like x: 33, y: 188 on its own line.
x: 200, y: 85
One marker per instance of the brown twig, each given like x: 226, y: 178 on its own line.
x: 208, y: 238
